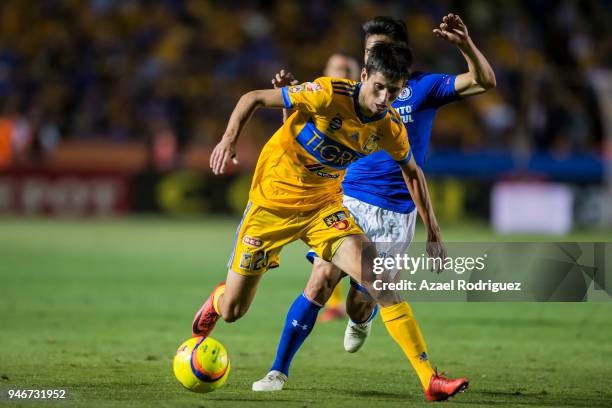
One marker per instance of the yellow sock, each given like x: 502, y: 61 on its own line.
x: 336, y: 297
x: 404, y: 329
x: 219, y: 290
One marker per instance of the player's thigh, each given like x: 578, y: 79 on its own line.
x: 355, y: 256
x: 391, y: 234
x: 323, y: 279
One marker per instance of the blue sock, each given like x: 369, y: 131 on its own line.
x: 300, y: 320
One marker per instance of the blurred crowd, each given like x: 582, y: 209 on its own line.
x: 168, y: 72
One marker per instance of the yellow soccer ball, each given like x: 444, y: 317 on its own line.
x: 201, y: 364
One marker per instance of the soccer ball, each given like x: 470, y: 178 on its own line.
x: 201, y: 364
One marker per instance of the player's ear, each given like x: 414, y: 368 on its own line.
x: 364, y: 75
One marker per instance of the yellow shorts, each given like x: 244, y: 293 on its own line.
x: 262, y: 233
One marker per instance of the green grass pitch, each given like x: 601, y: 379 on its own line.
x: 98, y: 308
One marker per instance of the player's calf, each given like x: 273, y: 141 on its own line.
x: 355, y: 256
x: 232, y: 310
x: 230, y: 300
x: 359, y: 305
x: 238, y: 295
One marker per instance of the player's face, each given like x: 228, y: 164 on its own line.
x: 377, y: 92
x: 341, y: 66
x: 373, y: 39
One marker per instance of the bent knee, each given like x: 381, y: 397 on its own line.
x: 322, y: 281
x: 318, y: 290
x: 325, y: 270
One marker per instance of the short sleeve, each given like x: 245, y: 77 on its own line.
x: 396, y: 142
x: 312, y: 97
x: 440, y: 89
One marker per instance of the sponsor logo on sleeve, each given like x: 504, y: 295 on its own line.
x: 312, y: 87
x: 296, y: 89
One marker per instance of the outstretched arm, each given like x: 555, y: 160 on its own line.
x: 248, y: 103
x: 417, y: 185
x: 480, y: 76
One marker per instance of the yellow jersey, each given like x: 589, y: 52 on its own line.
x: 302, y: 165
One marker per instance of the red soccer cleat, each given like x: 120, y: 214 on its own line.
x: 332, y: 313
x: 206, y: 318
x: 442, y: 388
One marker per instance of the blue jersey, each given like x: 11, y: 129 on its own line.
x: 377, y: 179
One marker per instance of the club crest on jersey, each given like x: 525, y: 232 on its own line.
x: 251, y: 241
x: 405, y: 93
x: 318, y: 169
x: 337, y: 220
x: 371, y: 144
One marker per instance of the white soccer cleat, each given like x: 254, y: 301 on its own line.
x: 273, y: 381
x: 356, y: 334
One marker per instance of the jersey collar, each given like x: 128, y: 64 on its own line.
x: 361, y: 116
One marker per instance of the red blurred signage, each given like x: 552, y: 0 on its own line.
x: 60, y: 193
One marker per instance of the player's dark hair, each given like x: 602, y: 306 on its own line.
x: 392, y: 60
x: 389, y: 26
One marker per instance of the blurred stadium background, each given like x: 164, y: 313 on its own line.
x: 109, y: 110
x: 112, y: 107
